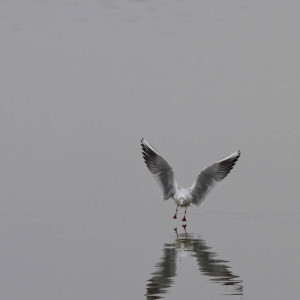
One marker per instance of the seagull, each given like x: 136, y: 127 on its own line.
x: 184, y: 197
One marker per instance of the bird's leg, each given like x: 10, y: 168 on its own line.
x: 175, y: 216
x: 184, y: 219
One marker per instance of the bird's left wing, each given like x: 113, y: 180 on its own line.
x: 211, y: 175
x: 160, y: 169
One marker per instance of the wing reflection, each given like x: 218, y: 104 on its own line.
x: 207, y: 261
x: 161, y: 280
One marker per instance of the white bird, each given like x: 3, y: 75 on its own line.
x: 184, y: 197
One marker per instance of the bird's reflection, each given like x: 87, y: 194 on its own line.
x: 208, y: 264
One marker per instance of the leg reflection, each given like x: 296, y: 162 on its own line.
x: 184, y: 228
x: 175, y: 229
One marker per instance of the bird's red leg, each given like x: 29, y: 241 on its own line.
x: 175, y: 216
x: 184, y: 219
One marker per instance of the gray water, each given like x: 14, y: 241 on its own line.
x: 81, y: 82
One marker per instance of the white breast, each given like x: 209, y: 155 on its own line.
x: 183, y: 193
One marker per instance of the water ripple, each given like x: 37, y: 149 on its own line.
x: 207, y: 261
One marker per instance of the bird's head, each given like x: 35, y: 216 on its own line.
x: 182, y: 201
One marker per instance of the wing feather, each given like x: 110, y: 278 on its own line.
x: 160, y: 169
x: 211, y: 175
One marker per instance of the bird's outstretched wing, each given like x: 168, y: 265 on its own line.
x: 160, y: 169
x: 209, y: 177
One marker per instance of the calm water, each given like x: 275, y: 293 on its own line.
x: 82, y: 82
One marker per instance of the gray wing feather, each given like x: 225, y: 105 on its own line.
x: 160, y: 169
x: 211, y: 175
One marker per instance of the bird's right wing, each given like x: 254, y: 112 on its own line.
x: 211, y: 175
x: 160, y: 169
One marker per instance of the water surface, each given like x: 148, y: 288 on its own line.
x: 189, y: 246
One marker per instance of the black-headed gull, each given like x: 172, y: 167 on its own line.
x: 195, y: 194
